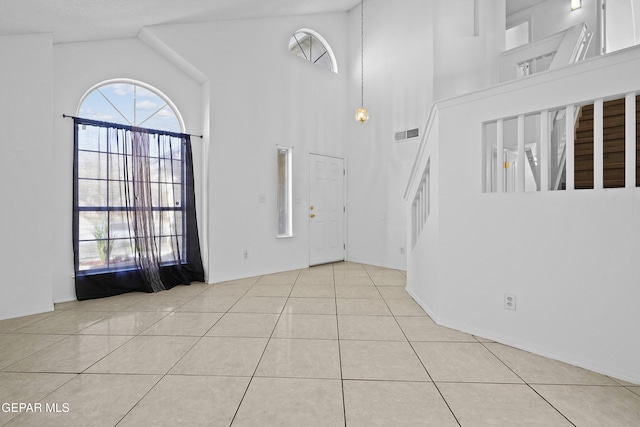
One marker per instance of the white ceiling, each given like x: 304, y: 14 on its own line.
x: 83, y: 20
x: 514, y: 6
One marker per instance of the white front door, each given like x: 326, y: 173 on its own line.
x: 326, y: 209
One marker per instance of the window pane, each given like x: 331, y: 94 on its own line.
x: 154, y: 170
x: 317, y: 50
x: 169, y: 248
x: 122, y: 253
x: 96, y: 107
x: 119, y: 225
x: 118, y: 142
x: 154, y: 150
x: 166, y: 145
x: 92, y: 165
x: 93, y: 225
x: 177, y: 171
x: 89, y: 138
x: 92, y: 193
x: 120, y: 96
x: 176, y: 149
x: 89, y: 254
x: 164, y: 119
x: 284, y: 192
x: 324, y: 61
x: 118, y: 193
x: 155, y: 196
x: 170, y: 171
x: 166, y: 195
x: 311, y: 48
x: 177, y: 195
x: 299, y: 45
x: 167, y: 223
x: 119, y: 166
x: 177, y: 223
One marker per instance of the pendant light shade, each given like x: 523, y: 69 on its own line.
x: 362, y: 113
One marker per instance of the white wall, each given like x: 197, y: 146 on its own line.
x: 78, y: 67
x: 623, y: 24
x: 553, y: 16
x: 260, y: 96
x: 569, y: 256
x: 464, y: 62
x: 26, y: 168
x: 415, y: 52
x: 398, y: 79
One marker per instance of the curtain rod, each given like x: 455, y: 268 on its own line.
x: 66, y: 116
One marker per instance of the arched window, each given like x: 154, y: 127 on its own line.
x: 132, y: 103
x: 134, y: 223
x: 311, y: 46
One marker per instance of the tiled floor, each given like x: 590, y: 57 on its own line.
x: 334, y: 345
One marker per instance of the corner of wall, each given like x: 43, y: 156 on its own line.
x: 147, y: 36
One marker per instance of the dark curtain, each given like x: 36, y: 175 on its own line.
x: 134, y: 216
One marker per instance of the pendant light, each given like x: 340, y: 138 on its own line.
x: 362, y: 114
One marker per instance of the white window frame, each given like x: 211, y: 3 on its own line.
x: 325, y: 44
x: 284, y: 191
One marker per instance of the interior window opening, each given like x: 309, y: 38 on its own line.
x: 311, y: 46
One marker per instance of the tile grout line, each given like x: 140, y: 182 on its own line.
x: 235, y: 414
x: 45, y: 397
x: 420, y: 360
x: 134, y: 404
x: 335, y: 298
x: 162, y: 376
x: 527, y: 384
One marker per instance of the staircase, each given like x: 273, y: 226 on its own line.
x: 613, y: 145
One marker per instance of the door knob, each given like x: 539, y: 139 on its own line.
x: 313, y: 215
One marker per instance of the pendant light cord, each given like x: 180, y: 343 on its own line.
x: 361, y: 53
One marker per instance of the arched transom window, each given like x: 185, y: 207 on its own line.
x: 132, y: 103
x: 311, y: 46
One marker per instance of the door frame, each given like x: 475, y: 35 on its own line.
x: 345, y: 200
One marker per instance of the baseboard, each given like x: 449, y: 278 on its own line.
x: 392, y: 267
x: 511, y: 342
x: 44, y: 309
x: 65, y: 299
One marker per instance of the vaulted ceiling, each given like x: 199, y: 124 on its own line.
x: 83, y: 20
x: 514, y: 6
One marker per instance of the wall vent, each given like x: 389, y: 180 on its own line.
x: 407, y: 134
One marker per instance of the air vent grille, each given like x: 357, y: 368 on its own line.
x: 407, y: 134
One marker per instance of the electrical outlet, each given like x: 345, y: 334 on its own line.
x: 510, y: 302
x: 402, y: 250
x: 262, y: 198
x: 245, y: 254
